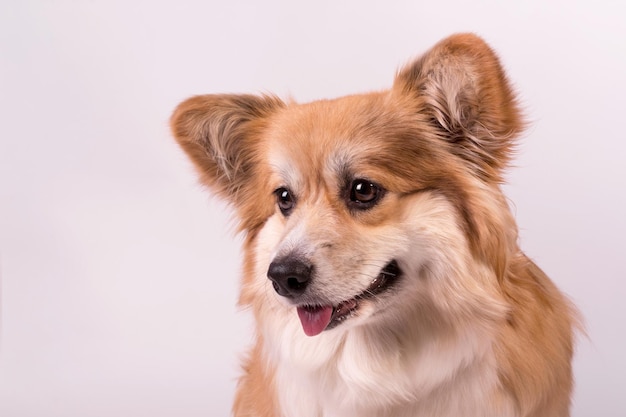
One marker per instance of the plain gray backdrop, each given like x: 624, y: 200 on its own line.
x: 119, y: 274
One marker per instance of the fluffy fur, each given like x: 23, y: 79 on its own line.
x: 341, y: 188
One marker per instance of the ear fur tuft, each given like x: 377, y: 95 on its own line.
x: 462, y: 87
x: 220, y: 134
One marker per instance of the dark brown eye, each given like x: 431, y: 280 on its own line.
x: 285, y: 200
x: 364, y: 194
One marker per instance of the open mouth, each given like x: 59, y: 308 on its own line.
x: 316, y: 319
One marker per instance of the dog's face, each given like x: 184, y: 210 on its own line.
x: 338, y: 235
x: 368, y: 208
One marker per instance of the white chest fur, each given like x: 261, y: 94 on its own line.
x: 367, y: 372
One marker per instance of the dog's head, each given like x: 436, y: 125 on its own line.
x: 361, y: 208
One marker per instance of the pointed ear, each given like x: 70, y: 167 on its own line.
x: 220, y: 134
x: 463, y: 90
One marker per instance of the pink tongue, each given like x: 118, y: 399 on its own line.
x: 314, y: 319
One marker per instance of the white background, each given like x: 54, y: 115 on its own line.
x: 119, y: 273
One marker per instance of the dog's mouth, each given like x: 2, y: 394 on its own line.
x: 317, y: 318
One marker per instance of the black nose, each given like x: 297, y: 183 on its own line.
x: 290, y: 276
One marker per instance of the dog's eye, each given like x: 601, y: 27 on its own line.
x: 284, y: 200
x: 364, y: 194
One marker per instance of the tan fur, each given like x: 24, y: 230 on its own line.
x: 438, y: 141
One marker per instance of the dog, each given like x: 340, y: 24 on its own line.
x: 381, y: 259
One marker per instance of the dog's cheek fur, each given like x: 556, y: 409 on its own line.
x: 460, y: 285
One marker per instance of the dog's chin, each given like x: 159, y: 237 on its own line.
x: 316, y: 318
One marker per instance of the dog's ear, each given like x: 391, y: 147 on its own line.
x: 463, y: 90
x: 220, y: 134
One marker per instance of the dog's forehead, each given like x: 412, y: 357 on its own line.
x: 326, y: 139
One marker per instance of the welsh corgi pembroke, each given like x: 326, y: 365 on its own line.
x: 380, y: 257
